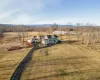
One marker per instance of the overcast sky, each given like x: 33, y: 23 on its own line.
x: 49, y: 11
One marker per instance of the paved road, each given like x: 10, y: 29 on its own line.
x: 18, y: 71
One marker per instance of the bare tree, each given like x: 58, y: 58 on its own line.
x: 2, y: 30
x: 69, y: 34
x: 46, y: 51
x: 77, y: 30
x: 54, y: 27
x: 90, y: 35
x: 22, y: 33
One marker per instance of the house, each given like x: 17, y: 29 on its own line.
x: 49, y: 39
x: 35, y: 37
x: 39, y: 37
x: 31, y: 40
x: 45, y: 40
x: 60, y: 32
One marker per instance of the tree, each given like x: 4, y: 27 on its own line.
x: 46, y: 51
x: 1, y: 31
x: 78, y: 25
x: 54, y: 27
x: 69, y: 34
x: 22, y: 33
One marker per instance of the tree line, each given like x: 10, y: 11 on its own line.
x: 86, y: 34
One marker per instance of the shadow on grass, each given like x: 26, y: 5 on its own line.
x: 62, y: 72
x: 57, y: 62
x: 69, y: 41
x: 60, y: 61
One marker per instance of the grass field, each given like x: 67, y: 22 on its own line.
x: 12, y: 39
x: 64, y: 62
x: 9, y: 61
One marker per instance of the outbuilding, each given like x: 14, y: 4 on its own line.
x: 60, y: 32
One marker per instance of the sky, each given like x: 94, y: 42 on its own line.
x: 49, y: 11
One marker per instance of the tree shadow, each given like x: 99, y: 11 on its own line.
x: 69, y: 41
x: 62, y: 73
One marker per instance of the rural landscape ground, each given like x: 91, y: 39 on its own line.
x: 49, y: 39
x: 65, y: 62
x: 69, y: 60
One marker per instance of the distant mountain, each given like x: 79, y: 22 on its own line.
x: 48, y: 25
x: 36, y: 25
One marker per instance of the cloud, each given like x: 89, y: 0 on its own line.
x: 27, y: 6
x: 69, y: 21
x: 4, y: 4
x: 6, y: 15
x: 19, y: 11
x: 33, y: 12
x: 22, y: 19
x: 23, y: 11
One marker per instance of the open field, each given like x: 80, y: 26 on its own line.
x: 69, y: 60
x: 9, y: 61
x: 64, y: 62
x: 11, y: 39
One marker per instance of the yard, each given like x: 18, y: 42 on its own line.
x: 69, y: 60
x: 64, y: 62
x: 9, y: 61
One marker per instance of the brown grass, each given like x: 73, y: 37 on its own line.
x: 9, y: 61
x: 67, y: 61
x: 64, y: 62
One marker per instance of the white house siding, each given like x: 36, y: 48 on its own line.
x: 38, y: 37
x: 31, y: 40
x: 60, y: 32
x: 45, y: 41
x: 49, y: 40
